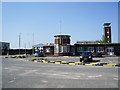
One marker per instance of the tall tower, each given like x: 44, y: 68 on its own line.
x: 62, y: 45
x: 107, y: 32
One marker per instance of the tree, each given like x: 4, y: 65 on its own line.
x: 5, y: 47
x: 104, y: 40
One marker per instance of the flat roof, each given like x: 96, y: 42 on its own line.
x: 62, y: 35
x: 106, y: 24
x: 43, y: 44
x: 97, y: 44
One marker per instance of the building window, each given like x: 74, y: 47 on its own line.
x: 56, y: 49
x: 61, y: 49
x: 100, y: 49
x: 90, y: 49
x: 66, y: 49
x: 80, y: 49
x: 48, y: 50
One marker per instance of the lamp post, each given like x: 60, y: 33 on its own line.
x: 19, y: 42
x: 33, y: 44
x: 25, y: 48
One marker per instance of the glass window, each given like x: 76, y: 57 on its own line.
x: 68, y: 49
x: 80, y: 49
x: 90, y: 49
x: 64, y: 48
x: 56, y: 49
x: 48, y: 49
x: 60, y: 49
x: 100, y: 49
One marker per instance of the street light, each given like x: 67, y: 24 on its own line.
x: 25, y: 48
x: 33, y: 44
x: 19, y: 42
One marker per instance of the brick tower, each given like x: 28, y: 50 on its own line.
x: 107, y: 32
x: 62, y: 45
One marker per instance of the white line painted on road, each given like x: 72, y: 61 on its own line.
x: 78, y: 76
x: 94, y: 76
x: 60, y: 86
x: 6, y: 68
x: 28, y: 72
x: 115, y: 78
x: 12, y: 80
x: 44, y: 81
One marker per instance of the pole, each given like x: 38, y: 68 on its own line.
x: 25, y: 48
x: 33, y: 44
x: 60, y: 26
x: 19, y: 42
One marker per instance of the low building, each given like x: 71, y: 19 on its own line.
x: 39, y: 47
x: 48, y: 50
x: 103, y: 48
x: 62, y: 46
x: 78, y: 48
x: 4, y: 46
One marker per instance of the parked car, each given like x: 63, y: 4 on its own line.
x: 38, y: 54
x: 86, y: 56
x: 98, y: 55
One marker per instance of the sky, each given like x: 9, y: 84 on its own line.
x: 39, y: 22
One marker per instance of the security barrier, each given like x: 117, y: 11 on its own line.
x: 44, y: 60
x: 17, y: 57
x: 75, y: 63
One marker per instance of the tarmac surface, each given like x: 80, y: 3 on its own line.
x: 21, y: 73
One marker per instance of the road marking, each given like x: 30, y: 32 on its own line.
x: 60, y: 86
x: 6, y: 68
x: 57, y: 63
x: 12, y: 80
x: 77, y: 63
x: 44, y: 81
x: 115, y: 78
x: 28, y: 72
x: 94, y: 76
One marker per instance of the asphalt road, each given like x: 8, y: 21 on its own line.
x: 18, y: 73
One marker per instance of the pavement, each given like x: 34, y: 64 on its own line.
x: 21, y: 73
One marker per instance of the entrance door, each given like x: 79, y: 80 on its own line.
x: 110, y: 51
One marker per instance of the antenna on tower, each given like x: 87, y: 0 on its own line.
x: 60, y: 24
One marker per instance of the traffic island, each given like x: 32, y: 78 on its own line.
x: 43, y: 60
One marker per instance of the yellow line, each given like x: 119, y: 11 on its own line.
x: 88, y: 64
x: 71, y: 63
x: 35, y: 61
x: 52, y: 61
x: 45, y: 62
x: 93, y: 63
x: 78, y: 62
x: 110, y: 65
x: 57, y: 63
x: 64, y: 62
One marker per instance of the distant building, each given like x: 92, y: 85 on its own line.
x: 103, y: 48
x: 4, y: 46
x: 62, y: 46
x: 39, y: 47
x: 85, y: 42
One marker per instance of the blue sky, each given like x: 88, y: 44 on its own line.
x: 82, y: 20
